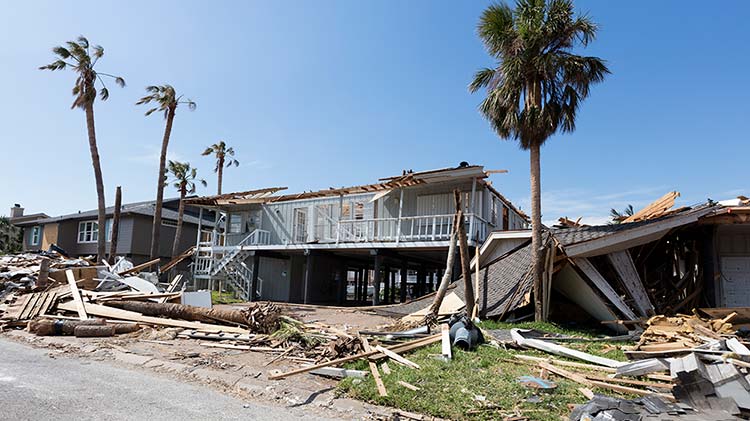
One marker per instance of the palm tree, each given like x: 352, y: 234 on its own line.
x: 81, y: 57
x: 166, y: 100
x: 184, y: 178
x: 536, y: 86
x: 618, y: 217
x: 223, y: 155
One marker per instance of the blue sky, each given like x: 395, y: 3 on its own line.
x: 318, y: 94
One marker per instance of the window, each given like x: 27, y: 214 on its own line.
x: 35, y: 235
x: 88, y: 232
x: 300, y: 225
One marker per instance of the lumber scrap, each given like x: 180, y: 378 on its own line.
x: 604, y: 287
x: 409, y: 386
x: 625, y: 268
x: 397, y: 358
x: 367, y: 354
x: 654, y: 209
x: 339, y: 373
x: 76, y: 295
x: 140, y: 267
x: 556, y: 349
x: 445, y: 342
x: 171, y: 287
x: 116, y: 313
x: 374, y: 370
x: 176, y: 261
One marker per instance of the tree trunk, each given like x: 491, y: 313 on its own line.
x: 432, y: 313
x: 178, y: 230
x: 156, y: 227
x: 536, y: 230
x: 115, y: 226
x: 463, y: 247
x: 220, y: 171
x: 101, y: 218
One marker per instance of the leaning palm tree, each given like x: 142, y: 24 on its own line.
x: 224, y: 156
x: 166, y: 100
x: 81, y: 57
x: 184, y: 178
x: 536, y: 86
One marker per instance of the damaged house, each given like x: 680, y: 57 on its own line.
x: 660, y: 261
x: 379, y: 243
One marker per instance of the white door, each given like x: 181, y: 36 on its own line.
x: 735, y: 281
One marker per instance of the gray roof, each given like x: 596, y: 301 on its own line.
x: 138, y: 208
x: 503, y: 283
x: 570, y: 236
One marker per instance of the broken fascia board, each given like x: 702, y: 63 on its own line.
x: 598, y: 280
x: 568, y: 282
x: 628, y: 238
x: 625, y: 268
x: 556, y: 349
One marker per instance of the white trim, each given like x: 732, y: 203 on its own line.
x: 91, y: 233
x: 36, y: 231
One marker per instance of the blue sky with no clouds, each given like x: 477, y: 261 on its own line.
x: 318, y: 94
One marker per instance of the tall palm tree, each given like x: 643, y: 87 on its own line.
x: 536, y: 86
x: 184, y: 178
x: 224, y: 156
x: 166, y: 99
x: 81, y: 57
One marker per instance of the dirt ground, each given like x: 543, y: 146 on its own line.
x: 230, y: 370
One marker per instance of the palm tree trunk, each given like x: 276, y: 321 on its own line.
x: 115, y: 226
x: 463, y: 248
x: 432, y: 313
x: 220, y: 174
x: 101, y: 215
x: 180, y: 213
x: 536, y: 229
x: 156, y: 227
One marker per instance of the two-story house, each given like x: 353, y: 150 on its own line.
x: 381, y: 243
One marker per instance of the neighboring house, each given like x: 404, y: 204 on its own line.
x: 78, y: 233
x: 11, y: 233
x: 307, y: 247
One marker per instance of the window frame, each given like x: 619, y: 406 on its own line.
x: 88, y: 229
x: 35, y: 235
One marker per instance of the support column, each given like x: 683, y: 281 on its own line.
x: 365, y: 284
x: 393, y: 287
x: 254, y: 282
x: 308, y: 275
x: 387, y: 285
x: 377, y: 278
x: 404, y: 273
x: 341, y: 276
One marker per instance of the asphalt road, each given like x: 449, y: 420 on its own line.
x: 34, y: 386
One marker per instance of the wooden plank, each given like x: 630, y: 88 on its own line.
x: 655, y: 208
x: 371, y: 354
x: 76, y: 295
x: 374, y: 370
x: 116, y: 313
x: 172, y: 285
x: 567, y: 374
x: 397, y: 358
x: 446, y: 342
x: 409, y: 386
x: 625, y: 268
x: 140, y: 267
x: 604, y: 287
x: 386, y: 368
x: 30, y: 307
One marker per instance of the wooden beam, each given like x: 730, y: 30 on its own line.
x: 374, y: 370
x: 397, y: 358
x: 625, y: 268
x: 140, y: 267
x: 76, y: 295
x: 604, y: 287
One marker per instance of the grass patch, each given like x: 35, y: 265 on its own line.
x: 477, y: 385
x: 224, y: 298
